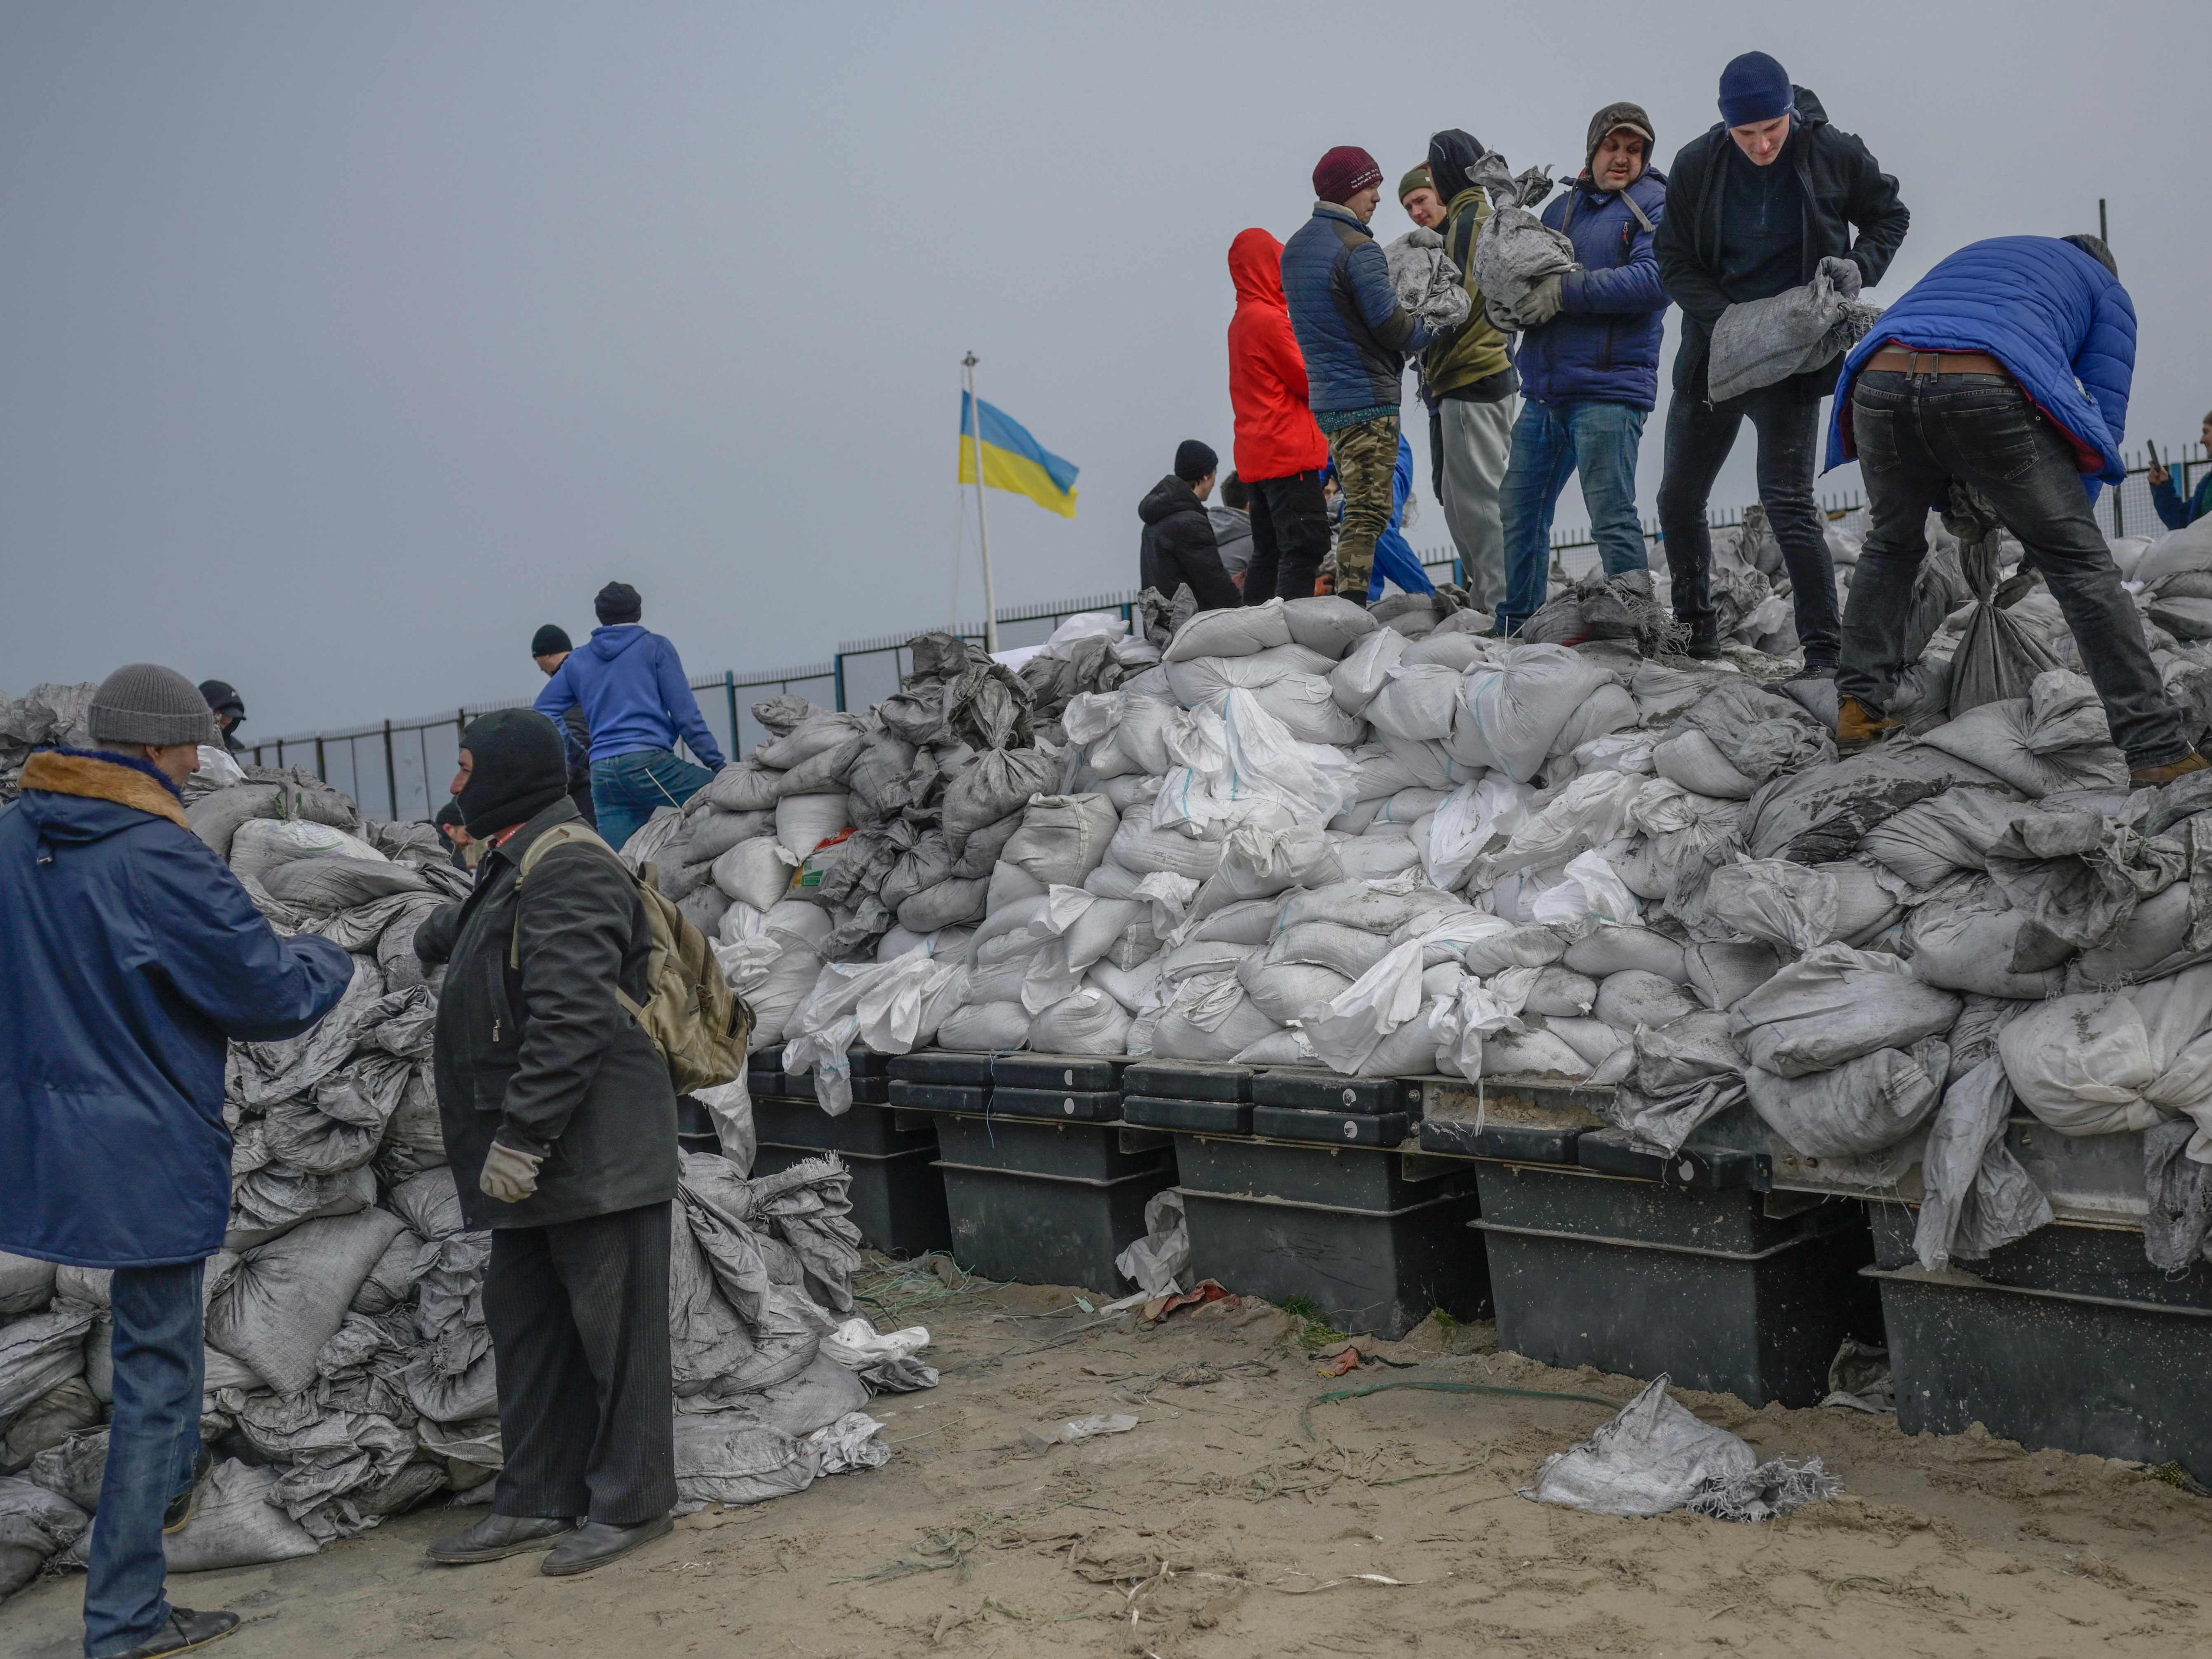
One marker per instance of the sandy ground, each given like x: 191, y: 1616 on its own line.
x: 1217, y: 1528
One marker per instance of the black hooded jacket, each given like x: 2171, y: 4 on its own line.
x: 1841, y: 186
x: 1179, y: 547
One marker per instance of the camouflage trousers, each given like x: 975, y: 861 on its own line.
x: 1366, y: 457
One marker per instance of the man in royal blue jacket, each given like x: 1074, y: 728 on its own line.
x: 2173, y: 512
x: 1355, y: 337
x: 130, y: 957
x: 637, y: 702
x: 2006, y: 369
x: 1590, y: 363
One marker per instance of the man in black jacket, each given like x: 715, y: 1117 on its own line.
x: 1761, y: 204
x: 1179, y: 548
x: 560, y: 1124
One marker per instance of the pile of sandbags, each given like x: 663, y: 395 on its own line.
x: 45, y: 717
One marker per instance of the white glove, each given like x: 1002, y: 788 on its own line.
x: 510, y: 1175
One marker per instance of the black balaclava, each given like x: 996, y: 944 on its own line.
x: 1451, y: 153
x: 618, y: 603
x: 520, y: 767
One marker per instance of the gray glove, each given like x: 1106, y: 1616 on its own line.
x: 1541, y: 304
x: 1845, y: 274
x: 510, y: 1175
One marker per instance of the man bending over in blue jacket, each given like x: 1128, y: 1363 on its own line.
x: 637, y: 702
x: 2007, y: 369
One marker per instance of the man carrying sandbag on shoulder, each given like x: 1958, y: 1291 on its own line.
x: 2006, y: 369
x: 129, y: 959
x: 1764, y: 203
x: 560, y: 1124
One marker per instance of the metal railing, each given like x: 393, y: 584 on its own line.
x: 406, y: 765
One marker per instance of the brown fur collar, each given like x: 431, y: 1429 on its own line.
x: 101, y: 779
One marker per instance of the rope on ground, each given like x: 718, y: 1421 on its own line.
x: 1305, y: 1415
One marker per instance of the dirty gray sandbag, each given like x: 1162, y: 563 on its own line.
x: 323, y: 884
x: 40, y: 1353
x: 1688, y: 1070
x: 1762, y: 343
x: 988, y: 707
x: 239, y: 1521
x: 1835, y: 1004
x: 1932, y: 841
x: 66, y: 1409
x: 34, y: 1523
x: 1062, y: 838
x: 27, y: 1283
x: 1656, y: 1455
x: 1759, y: 734
x: 2055, y: 738
x: 2180, y: 1189
x: 997, y: 782
x: 1976, y: 1198
x: 1861, y: 1108
x: 1515, y: 250
x: 290, y: 1295
x: 1428, y: 285
x: 1997, y: 656
x: 2079, y: 876
x: 1822, y: 815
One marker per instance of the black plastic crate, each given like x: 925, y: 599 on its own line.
x: 1360, y: 1177
x: 1183, y: 1079
x: 1632, y: 1277
x: 1093, y: 1072
x: 898, y: 1198
x: 2077, y: 1260
x: 1332, y: 1128
x: 876, y: 1091
x: 1514, y: 1143
x: 1223, y: 1117
x: 942, y: 1066
x: 939, y: 1096
x: 863, y: 1062
x: 877, y: 1131
x: 1701, y: 1170
x: 1085, y: 1151
x: 1365, y: 1270
x: 1329, y: 1092
x: 694, y: 1127
x: 1068, y: 1105
x: 1028, y: 1228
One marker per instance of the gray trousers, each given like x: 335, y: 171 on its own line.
x: 1478, y: 444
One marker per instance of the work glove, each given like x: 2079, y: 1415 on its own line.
x: 510, y: 1175
x: 1541, y: 304
x: 1845, y: 274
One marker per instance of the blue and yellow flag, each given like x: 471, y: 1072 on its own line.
x: 1014, y: 461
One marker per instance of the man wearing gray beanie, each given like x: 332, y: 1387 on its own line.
x: 132, y: 958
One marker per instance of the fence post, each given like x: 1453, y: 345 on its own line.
x: 840, y: 661
x: 391, y: 774
x: 322, y: 770
x: 730, y: 690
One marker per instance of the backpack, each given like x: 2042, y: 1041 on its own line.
x: 701, y: 1026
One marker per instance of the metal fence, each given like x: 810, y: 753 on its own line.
x: 405, y: 765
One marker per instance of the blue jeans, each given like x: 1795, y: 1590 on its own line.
x: 627, y: 789
x: 1551, y: 440
x: 153, y: 1437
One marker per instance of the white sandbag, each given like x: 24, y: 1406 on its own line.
x: 1288, y: 991
x: 1686, y: 757
x: 985, y: 1028
x: 756, y: 873
x: 1231, y: 633
x: 1242, y: 764
x: 1349, y: 1028
x: 1531, y: 1054
x: 2109, y: 1061
x: 1087, y: 1021
x: 1472, y: 821
x: 1376, y: 858
x: 1722, y: 974
x: 1494, y: 949
x: 1589, y: 812
x: 1632, y: 998
x: 1835, y: 1004
x: 1359, y: 679
x: 1615, y: 950
x: 803, y: 823
x: 1258, y: 862
x: 1063, y: 838
x: 1137, y: 846
x: 1418, y: 703
x: 1249, y: 921
x: 1456, y: 651
x: 1377, y: 907
x: 1591, y: 894
x: 1932, y: 840
x: 2055, y: 738
x: 1286, y: 1048
x: 1594, y: 1041
x: 1560, y: 991
x: 260, y: 845
x: 1209, y: 1022
x: 1347, y: 950
x: 1860, y: 1107
x: 1976, y: 1198
x: 1968, y: 946
x: 1133, y: 987
x: 1327, y: 624
x: 1308, y: 709
x: 1515, y: 710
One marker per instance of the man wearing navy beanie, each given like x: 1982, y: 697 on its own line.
x: 1768, y: 199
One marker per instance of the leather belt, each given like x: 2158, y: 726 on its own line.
x: 1897, y: 360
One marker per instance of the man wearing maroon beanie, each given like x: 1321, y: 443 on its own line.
x: 1355, y: 337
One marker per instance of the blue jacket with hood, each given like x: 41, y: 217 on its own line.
x: 1354, y: 334
x: 1603, y: 346
x: 129, y: 957
x: 634, y: 693
x: 2049, y: 313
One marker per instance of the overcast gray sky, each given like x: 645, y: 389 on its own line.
x: 340, y: 346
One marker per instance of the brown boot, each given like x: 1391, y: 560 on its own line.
x: 1858, y: 727
x: 2157, y: 777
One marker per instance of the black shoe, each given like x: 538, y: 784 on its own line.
x: 186, y: 1502
x: 595, y: 1543
x: 186, y: 1629
x: 498, y: 1536
x: 1705, y: 642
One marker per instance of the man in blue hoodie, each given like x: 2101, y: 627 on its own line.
x: 637, y: 702
x: 1590, y: 363
x: 2007, y: 369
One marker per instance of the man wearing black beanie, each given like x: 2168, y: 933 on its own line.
x: 1178, y: 549
x: 636, y: 702
x: 549, y: 649
x: 535, y: 1053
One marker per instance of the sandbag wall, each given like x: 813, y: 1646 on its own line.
x: 349, y: 1372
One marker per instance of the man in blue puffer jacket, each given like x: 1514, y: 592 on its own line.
x: 1590, y: 363
x: 2007, y: 369
x: 1355, y: 337
x: 637, y: 702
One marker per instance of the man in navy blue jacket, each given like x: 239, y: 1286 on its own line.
x: 130, y: 957
x: 2006, y: 369
x: 1590, y: 363
x: 637, y: 702
x: 1355, y: 337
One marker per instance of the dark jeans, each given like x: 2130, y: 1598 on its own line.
x: 1699, y: 436
x: 579, y: 1318
x: 1918, y: 434
x: 627, y: 789
x: 1290, y: 537
x: 153, y: 1436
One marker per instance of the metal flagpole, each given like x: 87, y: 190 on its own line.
x: 982, y: 514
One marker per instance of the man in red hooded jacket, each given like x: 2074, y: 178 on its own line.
x: 1279, y: 450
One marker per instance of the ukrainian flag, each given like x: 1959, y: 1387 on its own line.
x: 1014, y: 461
